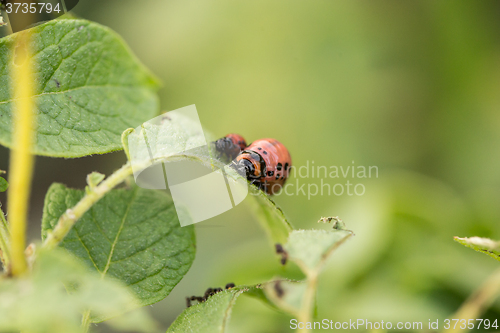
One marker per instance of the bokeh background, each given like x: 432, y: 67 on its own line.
x: 412, y: 87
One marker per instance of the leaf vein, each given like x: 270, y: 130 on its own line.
x: 86, y: 249
x: 119, y: 232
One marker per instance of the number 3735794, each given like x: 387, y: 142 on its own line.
x: 23, y: 7
x: 469, y: 324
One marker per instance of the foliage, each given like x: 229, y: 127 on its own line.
x: 40, y: 302
x: 386, y: 263
x: 483, y: 245
x: 90, y: 88
x: 308, y: 248
x: 130, y: 247
x: 210, y: 316
x: 132, y: 235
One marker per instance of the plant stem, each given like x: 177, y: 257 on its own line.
x: 308, y: 301
x: 86, y: 321
x: 21, y: 161
x: 4, y: 241
x: 478, y: 302
x: 305, y: 314
x: 69, y: 218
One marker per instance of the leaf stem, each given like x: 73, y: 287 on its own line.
x: 478, y: 302
x: 21, y: 161
x: 69, y: 218
x: 305, y: 314
x: 86, y: 321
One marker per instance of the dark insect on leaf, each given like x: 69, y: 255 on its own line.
x: 284, y: 255
x: 209, y: 292
x: 279, y: 290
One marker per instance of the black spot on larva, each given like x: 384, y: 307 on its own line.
x: 230, y: 285
x: 265, y: 152
x: 259, y: 148
x: 286, y: 166
x: 270, y: 173
x: 279, y: 166
x: 277, y: 176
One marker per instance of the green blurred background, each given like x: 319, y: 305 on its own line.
x: 412, y: 87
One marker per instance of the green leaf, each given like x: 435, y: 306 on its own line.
x: 94, y: 179
x: 211, y: 316
x: 311, y: 248
x: 3, y: 185
x: 484, y: 245
x: 286, y: 295
x: 289, y: 296
x: 270, y: 215
x: 89, y: 89
x: 40, y: 303
x: 130, y: 234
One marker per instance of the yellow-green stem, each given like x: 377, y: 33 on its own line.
x: 86, y: 321
x: 21, y: 161
x: 305, y: 314
x: 477, y: 303
x: 4, y: 241
x: 69, y: 218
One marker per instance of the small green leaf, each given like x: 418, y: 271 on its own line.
x: 286, y: 295
x: 270, y: 215
x: 90, y: 88
x: 39, y: 303
x: 94, y: 179
x: 124, y: 139
x: 3, y: 185
x: 484, y: 245
x: 211, y: 316
x: 311, y: 248
x: 130, y: 234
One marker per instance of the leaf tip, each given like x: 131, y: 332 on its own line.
x: 124, y: 139
x: 94, y: 179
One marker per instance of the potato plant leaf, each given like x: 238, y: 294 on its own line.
x: 130, y: 234
x: 271, y: 216
x: 311, y: 248
x: 211, y: 316
x: 89, y: 89
x: 483, y: 245
x: 286, y: 295
x: 40, y: 303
